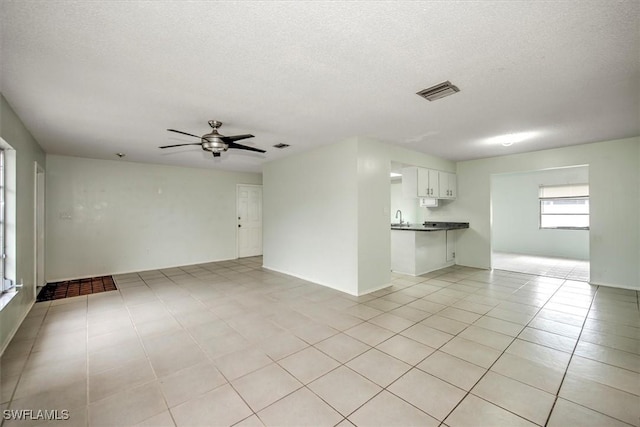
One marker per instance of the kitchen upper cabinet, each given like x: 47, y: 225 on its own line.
x: 428, y: 183
x: 420, y: 182
x: 447, y: 185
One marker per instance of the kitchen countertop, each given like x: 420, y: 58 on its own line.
x: 432, y: 226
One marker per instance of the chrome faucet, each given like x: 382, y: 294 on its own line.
x: 399, y: 212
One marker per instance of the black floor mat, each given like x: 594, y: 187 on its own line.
x: 74, y: 288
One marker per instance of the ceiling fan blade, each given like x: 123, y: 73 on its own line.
x: 184, y: 133
x: 236, y: 137
x: 180, y: 145
x: 244, y: 147
x: 215, y: 154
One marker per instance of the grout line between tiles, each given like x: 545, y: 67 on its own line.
x: 292, y: 284
x: 498, y: 358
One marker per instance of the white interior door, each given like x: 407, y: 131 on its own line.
x: 39, y: 225
x: 249, y: 220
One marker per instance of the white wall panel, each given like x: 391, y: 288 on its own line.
x: 614, y: 168
x: 310, y: 203
x: 107, y: 217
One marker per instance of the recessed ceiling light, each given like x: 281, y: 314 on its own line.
x: 121, y: 155
x: 509, y: 139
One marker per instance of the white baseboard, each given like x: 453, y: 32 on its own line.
x: 135, y: 271
x: 308, y: 279
x: 606, y: 285
x: 16, y: 327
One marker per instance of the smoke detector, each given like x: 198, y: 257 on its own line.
x: 438, y: 91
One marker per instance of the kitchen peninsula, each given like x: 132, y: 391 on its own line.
x: 420, y: 248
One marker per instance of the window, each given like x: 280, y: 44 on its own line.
x: 4, y: 284
x: 7, y: 223
x: 564, y: 206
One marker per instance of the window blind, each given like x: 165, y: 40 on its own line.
x: 564, y: 191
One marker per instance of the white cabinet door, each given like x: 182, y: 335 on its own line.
x: 424, y: 183
x: 453, y: 185
x: 417, y: 182
x: 448, y: 183
x: 428, y: 183
x: 434, y: 186
x: 410, y: 182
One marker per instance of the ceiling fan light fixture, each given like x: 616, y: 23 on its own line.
x: 214, y: 142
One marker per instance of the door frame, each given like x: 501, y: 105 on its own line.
x: 237, y: 220
x: 525, y: 171
x: 38, y: 193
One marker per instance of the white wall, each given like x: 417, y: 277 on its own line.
x: 374, y: 250
x: 310, y: 214
x: 374, y: 233
x: 614, y: 242
x: 106, y: 217
x: 408, y: 205
x: 27, y: 152
x: 515, y: 208
x: 326, y: 213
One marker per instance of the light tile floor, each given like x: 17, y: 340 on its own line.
x: 229, y: 343
x: 563, y: 268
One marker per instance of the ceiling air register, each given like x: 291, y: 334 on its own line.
x: 438, y: 91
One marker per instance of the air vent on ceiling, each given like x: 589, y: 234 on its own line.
x: 281, y: 145
x: 438, y: 91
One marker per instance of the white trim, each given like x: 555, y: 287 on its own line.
x: 314, y: 281
x: 606, y: 285
x: 429, y: 270
x: 62, y: 279
x: 16, y: 327
x: 386, y: 285
x: 37, y: 169
x: 10, y: 239
x: 237, y: 213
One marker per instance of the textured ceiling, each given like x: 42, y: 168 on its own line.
x: 92, y: 78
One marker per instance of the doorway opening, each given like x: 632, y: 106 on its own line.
x: 540, y: 222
